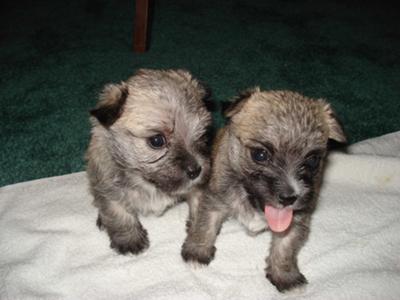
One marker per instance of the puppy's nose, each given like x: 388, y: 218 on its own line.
x: 287, y: 198
x: 193, y: 171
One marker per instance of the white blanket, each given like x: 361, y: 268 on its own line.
x: 50, y: 247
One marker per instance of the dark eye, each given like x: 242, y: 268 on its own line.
x: 259, y: 155
x: 157, y: 141
x: 312, y: 162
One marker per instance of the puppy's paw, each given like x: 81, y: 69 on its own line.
x: 195, y: 254
x: 134, y: 244
x: 284, y: 280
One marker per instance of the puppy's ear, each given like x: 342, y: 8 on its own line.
x: 335, y: 128
x: 111, y: 104
x: 233, y: 107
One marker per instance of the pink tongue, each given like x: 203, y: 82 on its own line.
x: 278, y: 219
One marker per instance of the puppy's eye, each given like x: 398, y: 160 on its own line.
x: 157, y: 141
x: 312, y: 162
x: 259, y: 155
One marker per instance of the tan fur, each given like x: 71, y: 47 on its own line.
x: 292, y: 131
x: 127, y: 175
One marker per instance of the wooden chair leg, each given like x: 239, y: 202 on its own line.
x: 141, y: 26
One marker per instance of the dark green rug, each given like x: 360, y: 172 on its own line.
x: 56, y: 55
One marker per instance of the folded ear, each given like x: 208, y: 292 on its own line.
x: 233, y: 107
x: 335, y: 128
x: 111, y: 104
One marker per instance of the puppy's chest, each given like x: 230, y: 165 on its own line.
x: 150, y: 201
x: 252, y: 219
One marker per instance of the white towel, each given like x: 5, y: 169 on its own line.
x: 50, y: 247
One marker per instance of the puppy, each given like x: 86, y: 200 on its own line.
x: 148, y: 150
x: 266, y: 169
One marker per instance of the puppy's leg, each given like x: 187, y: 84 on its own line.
x: 193, y: 203
x: 199, y: 244
x: 124, y: 228
x: 282, y: 269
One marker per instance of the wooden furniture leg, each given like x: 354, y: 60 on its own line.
x: 141, y: 24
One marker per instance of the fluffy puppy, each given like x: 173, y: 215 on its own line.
x: 267, y: 164
x: 148, y: 150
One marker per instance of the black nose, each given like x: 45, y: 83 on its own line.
x: 286, y: 198
x: 193, y: 171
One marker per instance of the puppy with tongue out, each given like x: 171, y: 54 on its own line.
x: 267, y: 167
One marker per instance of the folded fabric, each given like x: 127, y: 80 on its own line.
x: 50, y: 247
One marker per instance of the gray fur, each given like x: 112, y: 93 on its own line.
x: 293, y: 131
x: 127, y: 175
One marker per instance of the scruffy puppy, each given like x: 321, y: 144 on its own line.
x: 266, y: 169
x: 148, y: 150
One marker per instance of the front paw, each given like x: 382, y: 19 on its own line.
x: 285, y: 280
x: 134, y: 243
x: 194, y: 253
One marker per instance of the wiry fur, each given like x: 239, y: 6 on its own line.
x: 294, y: 131
x: 127, y: 176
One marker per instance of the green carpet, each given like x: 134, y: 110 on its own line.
x: 56, y: 55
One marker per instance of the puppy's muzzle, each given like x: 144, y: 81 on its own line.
x: 287, y: 196
x: 193, y: 171
x: 287, y: 199
x: 188, y: 164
